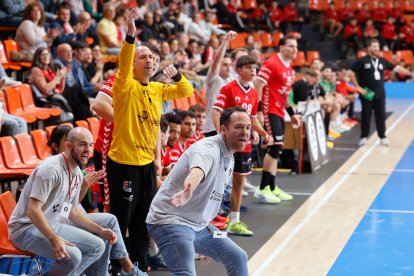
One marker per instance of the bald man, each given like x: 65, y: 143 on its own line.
x: 137, y: 113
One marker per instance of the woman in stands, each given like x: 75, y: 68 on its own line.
x: 47, y: 81
x: 31, y: 33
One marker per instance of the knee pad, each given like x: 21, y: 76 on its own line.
x: 274, y: 151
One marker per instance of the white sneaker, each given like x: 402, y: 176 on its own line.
x: 384, y: 142
x: 249, y: 187
x: 363, y: 142
x: 266, y: 196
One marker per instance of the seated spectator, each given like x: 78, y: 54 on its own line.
x: 62, y: 23
x: 35, y: 217
x: 196, y: 30
x: 226, y: 16
x: 47, y: 81
x: 162, y: 26
x: 11, y: 12
x: 397, y: 13
x: 275, y: 16
x: 188, y: 130
x: 174, y: 131
x: 200, y: 114
x: 363, y: 15
x: 334, y: 23
x: 93, y: 70
x: 353, y: 35
x: 207, y: 24
x: 370, y: 32
x: 293, y: 22
x: 346, y: 13
x: 389, y: 33
x: 147, y: 27
x: 406, y: 36
x: 107, y: 32
x: 165, y: 54
x: 73, y: 92
x: 89, y: 88
x: 380, y: 15
x: 31, y: 33
x: 6, y: 80
x: 260, y: 17
x: 84, y: 29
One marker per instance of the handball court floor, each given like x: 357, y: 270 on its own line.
x: 354, y: 216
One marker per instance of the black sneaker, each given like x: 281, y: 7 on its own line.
x: 156, y: 262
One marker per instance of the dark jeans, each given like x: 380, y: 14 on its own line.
x: 378, y: 106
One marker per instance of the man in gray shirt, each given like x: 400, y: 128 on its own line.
x: 50, y: 195
x: 180, y: 213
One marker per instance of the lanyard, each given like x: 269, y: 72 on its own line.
x: 375, y: 64
x: 70, y: 180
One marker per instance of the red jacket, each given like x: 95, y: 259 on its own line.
x: 388, y: 31
x: 352, y: 30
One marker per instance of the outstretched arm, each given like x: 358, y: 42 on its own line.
x: 190, y: 184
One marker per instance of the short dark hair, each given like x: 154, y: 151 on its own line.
x: 197, y: 108
x: 225, y: 116
x: 371, y: 41
x: 285, y: 38
x: 57, y: 134
x: 163, y: 124
x: 245, y: 60
x: 186, y: 113
x: 171, y: 117
x: 311, y: 73
x: 78, y: 44
x: 154, y: 50
x: 233, y: 53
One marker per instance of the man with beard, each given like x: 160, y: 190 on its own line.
x: 190, y: 197
x: 50, y: 195
x: 369, y: 72
x: 174, y: 130
x: 188, y: 129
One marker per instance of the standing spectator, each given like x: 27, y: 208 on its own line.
x: 31, y: 33
x: 346, y: 13
x: 275, y: 16
x: 217, y: 76
x: 369, y: 71
x: 273, y: 84
x: 363, y: 15
x: 190, y: 197
x: 137, y: 105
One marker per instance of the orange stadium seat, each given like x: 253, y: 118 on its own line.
x: 94, y: 124
x: 239, y: 41
x: 28, y: 104
x: 388, y: 55
x: 318, y: 5
x: 276, y: 38
x: 6, y: 173
x: 82, y: 123
x: 7, y: 203
x: 182, y: 104
x: 406, y: 55
x: 11, y: 155
x: 300, y: 60
x: 361, y: 53
x: 266, y: 40
x: 192, y: 99
x: 40, y: 143
x: 5, y: 62
x: 27, y: 150
x: 311, y: 55
x: 11, y: 45
x: 201, y: 96
x: 14, y: 105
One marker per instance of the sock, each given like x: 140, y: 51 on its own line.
x: 327, y: 119
x: 265, y: 180
x: 234, y: 217
x: 152, y: 248
x: 272, y: 182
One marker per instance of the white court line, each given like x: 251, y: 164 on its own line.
x: 391, y: 211
x: 300, y: 225
x: 299, y: 193
x: 345, y: 149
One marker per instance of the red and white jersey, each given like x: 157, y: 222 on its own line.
x: 103, y: 142
x: 197, y: 136
x: 234, y: 94
x: 178, y: 149
x: 104, y: 139
x: 278, y: 79
x: 166, y: 158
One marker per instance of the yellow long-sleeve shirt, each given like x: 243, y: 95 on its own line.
x: 137, y: 111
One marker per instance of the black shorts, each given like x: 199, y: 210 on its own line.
x: 242, y: 163
x: 275, y: 126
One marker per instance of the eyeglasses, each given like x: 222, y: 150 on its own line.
x: 45, y: 54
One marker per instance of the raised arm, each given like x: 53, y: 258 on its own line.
x: 191, y: 182
x: 221, y: 51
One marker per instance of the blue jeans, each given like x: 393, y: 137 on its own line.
x: 87, y: 250
x: 13, y: 125
x: 116, y: 251
x: 178, y: 245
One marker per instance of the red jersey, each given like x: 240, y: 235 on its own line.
x: 332, y: 14
x: 351, y: 30
x: 177, y: 150
x: 167, y: 158
x: 278, y: 79
x: 345, y: 14
x: 275, y: 15
x: 388, y: 31
x: 197, y: 136
x: 103, y: 142
x: 363, y: 16
x: 380, y: 15
x: 408, y: 32
x: 234, y: 94
x: 345, y: 88
x: 290, y: 13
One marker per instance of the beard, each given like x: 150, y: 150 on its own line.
x: 77, y: 160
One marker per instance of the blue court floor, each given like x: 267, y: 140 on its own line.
x: 383, y: 242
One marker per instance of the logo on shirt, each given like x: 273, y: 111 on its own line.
x: 237, y: 99
x: 216, y: 196
x: 55, y: 207
x: 127, y: 186
x: 144, y: 116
